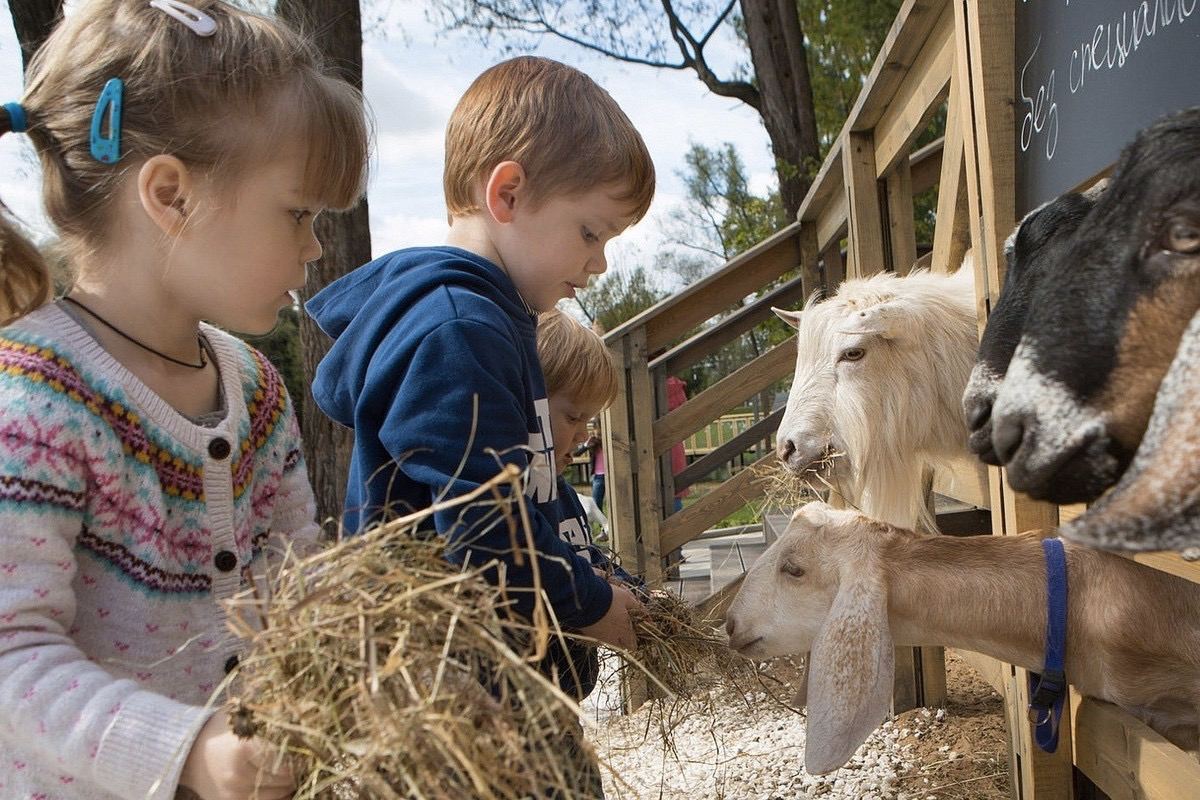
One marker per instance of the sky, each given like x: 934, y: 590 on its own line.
x: 413, y: 76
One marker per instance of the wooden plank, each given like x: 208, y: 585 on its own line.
x: 727, y: 498
x: 827, y: 183
x: 1125, y: 758
x: 1168, y: 561
x: 742, y: 275
x: 933, y: 676
x: 810, y: 257
x: 771, y: 366
x: 617, y: 436
x: 835, y: 268
x: 905, y: 680
x: 831, y: 220
x: 951, y: 234
x: 862, y: 191
x: 964, y: 479
x: 665, y: 476
x: 920, y: 93
x: 911, y: 29
x: 984, y: 36
x: 991, y: 37
x: 723, y: 454
x: 985, y: 288
x: 902, y: 236
x: 713, y: 338
x: 1069, y: 512
x: 926, y: 166
x: 649, y: 501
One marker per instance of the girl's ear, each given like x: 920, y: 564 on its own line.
x: 504, y: 187
x: 165, y: 189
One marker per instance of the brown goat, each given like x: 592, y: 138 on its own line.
x: 848, y: 589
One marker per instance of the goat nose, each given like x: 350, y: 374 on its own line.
x: 1008, y: 432
x: 729, y: 626
x: 979, y: 411
x: 784, y: 449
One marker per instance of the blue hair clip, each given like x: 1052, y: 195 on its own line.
x: 17, y: 122
x: 107, y: 149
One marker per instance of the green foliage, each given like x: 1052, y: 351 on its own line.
x: 282, y: 348
x: 619, y: 296
x: 844, y: 36
x: 720, y: 206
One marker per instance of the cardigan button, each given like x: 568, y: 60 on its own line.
x: 231, y: 664
x: 219, y: 448
x: 225, y: 561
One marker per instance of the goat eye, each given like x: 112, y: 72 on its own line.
x: 1183, y: 237
x: 795, y: 570
x: 852, y: 354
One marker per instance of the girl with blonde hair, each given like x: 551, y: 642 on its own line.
x: 149, y: 461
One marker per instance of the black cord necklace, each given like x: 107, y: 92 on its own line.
x: 199, y: 339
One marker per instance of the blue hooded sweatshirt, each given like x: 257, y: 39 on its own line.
x: 434, y: 365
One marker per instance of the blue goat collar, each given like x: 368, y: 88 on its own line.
x: 1048, y: 690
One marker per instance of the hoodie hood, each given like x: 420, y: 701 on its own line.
x: 359, y: 310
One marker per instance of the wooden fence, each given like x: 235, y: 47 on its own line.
x: 956, y: 54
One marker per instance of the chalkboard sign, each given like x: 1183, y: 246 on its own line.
x: 1089, y: 75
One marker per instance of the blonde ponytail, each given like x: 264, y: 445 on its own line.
x: 24, y: 274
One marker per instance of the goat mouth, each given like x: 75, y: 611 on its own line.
x: 744, y: 647
x: 1077, y: 474
x: 821, y: 467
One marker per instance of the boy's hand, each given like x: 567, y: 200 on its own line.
x: 615, y: 627
x: 221, y: 766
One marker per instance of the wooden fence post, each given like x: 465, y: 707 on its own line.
x: 985, y: 50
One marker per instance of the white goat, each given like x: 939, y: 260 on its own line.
x: 880, y: 371
x: 848, y: 588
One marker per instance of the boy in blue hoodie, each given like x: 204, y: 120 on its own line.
x: 434, y: 362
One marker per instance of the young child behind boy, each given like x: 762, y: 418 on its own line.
x: 150, y: 462
x: 581, y: 381
x: 434, y: 363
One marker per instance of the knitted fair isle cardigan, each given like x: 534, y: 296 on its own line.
x: 122, y: 526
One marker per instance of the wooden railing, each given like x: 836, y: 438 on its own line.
x: 956, y: 54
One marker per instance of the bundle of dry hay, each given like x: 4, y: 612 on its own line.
x: 381, y: 670
x: 681, y: 651
x: 786, y: 489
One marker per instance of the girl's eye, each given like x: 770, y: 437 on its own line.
x: 588, y: 236
x: 299, y: 214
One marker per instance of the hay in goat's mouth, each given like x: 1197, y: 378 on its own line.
x: 784, y: 488
x: 680, y: 650
x: 383, y: 671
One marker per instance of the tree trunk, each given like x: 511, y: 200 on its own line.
x: 33, y: 20
x: 780, y: 61
x: 346, y: 239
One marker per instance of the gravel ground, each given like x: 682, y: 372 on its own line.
x: 731, y: 747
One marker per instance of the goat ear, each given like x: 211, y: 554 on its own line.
x: 888, y: 320
x: 816, y: 512
x: 790, y: 317
x: 850, y: 672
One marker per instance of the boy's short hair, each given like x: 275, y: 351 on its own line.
x: 567, y: 133
x: 575, y: 360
